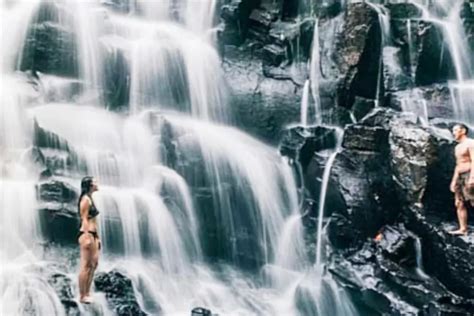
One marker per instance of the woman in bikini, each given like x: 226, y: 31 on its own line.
x: 89, y: 241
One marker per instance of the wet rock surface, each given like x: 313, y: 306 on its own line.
x: 62, y: 284
x: 119, y: 293
x: 390, y: 213
x: 50, y: 45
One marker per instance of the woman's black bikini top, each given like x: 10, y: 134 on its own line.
x: 93, y: 211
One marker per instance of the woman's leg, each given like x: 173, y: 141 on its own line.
x: 94, y: 263
x: 86, y: 247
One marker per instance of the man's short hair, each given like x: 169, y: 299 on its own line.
x: 464, y: 126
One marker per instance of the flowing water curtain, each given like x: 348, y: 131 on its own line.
x: 169, y: 68
x: 23, y: 288
x: 251, y: 191
x: 235, y: 175
x: 446, y: 17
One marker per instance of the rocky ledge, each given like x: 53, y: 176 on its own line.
x: 390, y: 212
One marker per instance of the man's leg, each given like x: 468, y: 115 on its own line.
x: 461, y: 211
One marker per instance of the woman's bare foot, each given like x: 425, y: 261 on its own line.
x: 86, y: 300
x: 458, y: 232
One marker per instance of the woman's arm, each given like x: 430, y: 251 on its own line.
x: 84, y: 207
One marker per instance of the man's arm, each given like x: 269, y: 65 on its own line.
x: 452, y: 186
x: 471, y: 156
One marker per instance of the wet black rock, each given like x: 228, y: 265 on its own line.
x: 300, y: 143
x: 362, y: 107
x: 365, y: 183
x: 360, y: 137
x: 59, y: 222
x: 450, y: 257
x: 434, y: 62
x: 467, y: 16
x: 395, y: 77
x: 356, y: 47
x: 412, y: 151
x: 62, y: 284
x: 384, y: 284
x: 116, y: 78
x: 262, y: 106
x: 274, y: 55
x: 50, y: 48
x: 260, y: 22
x: 236, y: 21
x: 404, y: 11
x: 56, y: 191
x: 47, y: 139
x: 433, y: 101
x: 119, y: 293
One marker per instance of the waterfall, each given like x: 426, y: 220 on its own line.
x: 322, y: 203
x: 193, y: 211
x: 304, y: 104
x: 446, y: 16
x: 322, y: 196
x: 315, y: 73
x: 419, y: 259
x: 385, y: 38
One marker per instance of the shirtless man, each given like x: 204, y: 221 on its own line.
x: 462, y: 184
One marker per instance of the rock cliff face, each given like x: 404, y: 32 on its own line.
x: 390, y: 212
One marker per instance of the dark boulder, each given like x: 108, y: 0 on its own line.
x: 260, y: 21
x: 412, y: 151
x: 262, y: 106
x: 467, y: 16
x: 119, y: 293
x: 59, y: 222
x: 62, y: 284
x: 428, y: 102
x: 54, y: 190
x: 450, y: 257
x: 365, y: 183
x: 235, y: 16
x: 362, y: 107
x: 404, y: 11
x: 395, y: 77
x: 300, y: 143
x: 386, y: 284
x: 50, y: 48
x: 434, y: 61
x: 360, y: 137
x: 116, y: 77
x: 357, y: 45
x: 46, y: 139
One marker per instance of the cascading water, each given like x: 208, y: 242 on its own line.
x: 384, y: 22
x: 304, y: 104
x: 322, y: 197
x: 176, y: 191
x: 315, y: 73
x: 419, y: 259
x: 23, y: 290
x: 318, y: 287
x: 447, y: 16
